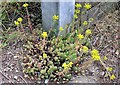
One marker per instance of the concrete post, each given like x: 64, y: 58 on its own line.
x: 65, y: 11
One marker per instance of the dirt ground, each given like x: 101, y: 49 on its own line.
x: 105, y: 39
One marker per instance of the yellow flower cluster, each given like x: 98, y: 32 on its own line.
x: 85, y: 23
x: 44, y: 55
x: 112, y: 77
x: 16, y: 23
x: 78, y: 5
x: 61, y: 29
x: 105, y: 58
x: 55, y: 17
x: 109, y: 69
x: 25, y: 5
x: 67, y: 66
x: 87, y: 6
x: 70, y: 64
x: 85, y: 49
x: 95, y: 54
x: 80, y: 36
x: 75, y: 16
x: 88, y: 32
x: 44, y: 34
x: 19, y: 20
x: 91, y: 19
x: 77, y: 11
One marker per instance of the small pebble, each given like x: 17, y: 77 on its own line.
x: 25, y: 76
x: 15, y: 77
x: 5, y: 70
x: 10, y: 69
x: 9, y: 53
x: 16, y: 70
x: 117, y: 52
x: 15, y: 57
x: 102, y: 73
x: 73, y: 77
x: 76, y: 81
x: 46, y: 81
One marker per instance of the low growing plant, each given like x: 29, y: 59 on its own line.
x: 57, y: 58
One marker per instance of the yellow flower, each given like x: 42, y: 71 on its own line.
x: 112, y: 77
x: 65, y: 66
x: 105, y: 58
x: 91, y: 19
x: 61, y: 29
x: 80, y: 36
x: 85, y: 23
x: 25, y: 5
x: 109, y: 69
x: 84, y: 49
x: 106, y: 75
x: 88, y: 32
x: 55, y: 17
x: 70, y: 64
x: 75, y: 16
x: 20, y: 19
x: 77, y: 11
x: 95, y: 54
x: 16, y: 22
x: 77, y: 5
x: 44, y: 55
x: 44, y: 34
x: 96, y: 57
x: 87, y: 6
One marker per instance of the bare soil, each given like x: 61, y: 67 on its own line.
x: 105, y: 39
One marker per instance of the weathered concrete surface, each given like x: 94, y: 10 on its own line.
x: 48, y: 10
x: 65, y: 11
x: 83, y: 79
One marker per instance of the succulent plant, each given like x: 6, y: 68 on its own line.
x: 45, y: 56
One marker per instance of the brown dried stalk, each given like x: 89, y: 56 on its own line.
x: 21, y: 27
x: 62, y: 73
x: 29, y: 22
x: 86, y: 64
